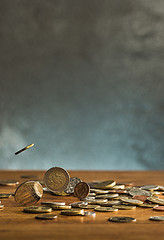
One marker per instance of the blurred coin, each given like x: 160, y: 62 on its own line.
x: 46, y: 216
x: 132, y: 201
x: 119, y: 191
x: 104, y: 184
x: 8, y: 183
x: 149, y: 187
x: 88, y: 199
x: 37, y: 209
x: 140, y: 197
x: 88, y: 206
x: 160, y: 188
x: 77, y: 204
x: 91, y: 194
x: 56, y: 179
x: 29, y: 176
x: 89, y: 213
x: 51, y: 204
x: 62, y: 193
x: 137, y: 191
x: 98, y: 191
x: 105, y: 209
x: 158, y: 208
x: 155, y: 193
x: 28, y: 193
x: 73, y: 212
x: 157, y: 218
x: 81, y: 190
x: 156, y: 200
x: 148, y: 205
x: 5, y: 195
x: 98, y: 201
x: 59, y: 207
x: 124, y: 207
x: 73, y: 182
x: 1, y: 206
x: 23, y: 149
x: 111, y: 203
x: 122, y: 219
x: 107, y: 196
x: 118, y: 186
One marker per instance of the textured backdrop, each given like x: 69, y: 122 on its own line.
x: 84, y: 81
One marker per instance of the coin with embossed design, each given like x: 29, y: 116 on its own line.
x: 81, y: 190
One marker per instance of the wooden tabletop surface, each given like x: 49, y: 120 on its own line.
x: 15, y: 224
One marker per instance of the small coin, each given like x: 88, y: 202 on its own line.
x: 88, y: 199
x: 124, y: 207
x: 119, y: 191
x: 142, y: 198
x: 158, y: 208
x: 59, y: 207
x: 37, y: 209
x: 156, y: 200
x: 137, y: 191
x: 81, y: 190
x: 46, y: 216
x: 107, y: 196
x: 105, y: 209
x: 1, y: 206
x: 8, y: 183
x: 73, y: 182
x: 160, y: 188
x: 148, y: 205
x: 111, y: 203
x: 77, y: 204
x: 28, y: 193
x: 99, y: 191
x: 29, y: 176
x: 51, y: 204
x: 88, y: 206
x: 91, y: 194
x: 56, y: 179
x: 98, y: 201
x: 89, y: 213
x: 149, y: 187
x: 104, y: 184
x: 23, y: 149
x: 5, y: 195
x: 118, y: 186
x: 73, y: 212
x: 156, y: 193
x: 157, y: 218
x: 122, y: 219
x: 132, y: 201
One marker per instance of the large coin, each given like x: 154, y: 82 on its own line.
x: 73, y: 182
x: 37, y: 209
x: 122, y: 219
x: 46, y: 216
x: 81, y: 190
x: 157, y: 218
x: 56, y: 179
x: 137, y: 191
x: 28, y: 193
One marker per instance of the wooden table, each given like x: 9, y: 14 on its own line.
x: 14, y: 224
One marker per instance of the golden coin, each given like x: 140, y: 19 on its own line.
x: 23, y: 149
x: 81, y: 190
x: 148, y: 205
x: 107, y: 196
x: 51, y: 204
x: 73, y: 212
x: 59, y: 207
x: 8, y: 183
x: 111, y: 203
x: 46, y: 216
x: 28, y: 193
x: 5, y: 195
x: 156, y: 200
x: 56, y: 179
x: 124, y: 207
x: 105, y: 209
x: 118, y: 187
x: 98, y: 201
x: 131, y: 201
x: 104, y: 184
x: 88, y: 206
x: 99, y: 191
x: 122, y: 219
x: 37, y: 209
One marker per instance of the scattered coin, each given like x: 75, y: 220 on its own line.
x: 157, y: 218
x: 91, y: 194
x: 89, y: 213
x: 98, y: 201
x: 73, y: 182
x: 142, y: 198
x: 107, y: 196
x: 132, y: 201
x: 99, y: 191
x: 23, y: 149
x: 149, y: 187
x: 29, y: 176
x: 59, y: 207
x: 105, y: 209
x: 56, y: 179
x: 73, y: 212
x: 8, y: 183
x: 156, y: 200
x: 104, y: 184
x: 160, y: 188
x: 122, y: 219
x: 148, y: 205
x: 88, y: 206
x: 124, y: 207
x: 137, y: 191
x: 28, y: 193
x: 111, y: 203
x: 77, y: 204
x: 81, y: 190
x: 5, y: 195
x: 88, y: 199
x: 51, y: 204
x: 119, y: 186
x: 46, y: 216
x: 158, y: 208
x: 37, y: 209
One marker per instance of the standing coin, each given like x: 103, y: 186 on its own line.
x: 28, y: 193
x: 73, y: 182
x: 46, y: 216
x: 81, y: 190
x: 157, y: 218
x: 56, y: 179
x: 122, y: 219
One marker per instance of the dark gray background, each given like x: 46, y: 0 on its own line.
x: 84, y: 81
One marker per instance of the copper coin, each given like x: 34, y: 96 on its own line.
x: 81, y: 190
x: 56, y: 179
x: 28, y: 193
x: 158, y: 208
x: 140, y: 197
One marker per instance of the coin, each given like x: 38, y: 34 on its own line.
x: 137, y: 191
x: 5, y: 195
x: 132, y: 201
x: 28, y: 193
x: 149, y: 187
x: 161, y: 188
x: 73, y: 182
x: 46, y: 216
x: 77, y: 204
x: 37, y: 209
x: 23, y: 149
x: 98, y: 201
x: 118, y: 186
x: 88, y: 199
x: 73, y: 212
x: 111, y: 203
x: 81, y: 190
x: 122, y: 219
x: 104, y: 184
x: 59, y: 207
x: 156, y: 200
x: 89, y: 213
x: 88, y: 206
x: 157, y: 218
x: 107, y: 196
x: 51, y: 204
x: 56, y: 179
x: 140, y: 197
x: 99, y: 191
x: 158, y: 208
x: 148, y: 205
x: 124, y: 207
x: 8, y: 183
x: 1, y: 206
x: 105, y: 209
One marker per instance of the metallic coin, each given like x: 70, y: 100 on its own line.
x: 119, y: 191
x: 157, y: 218
x: 107, y: 196
x: 28, y: 193
x: 51, y: 204
x: 8, y: 183
x: 88, y: 199
x: 160, y: 188
x: 105, y: 209
x: 1, y: 206
x: 77, y: 204
x: 37, y: 209
x: 81, y: 190
x: 111, y: 203
x: 23, y: 149
x: 137, y: 191
x: 29, y: 176
x: 158, y: 208
x: 73, y: 182
x: 91, y: 194
x: 156, y: 193
x: 98, y: 201
x: 98, y: 191
x: 88, y: 206
x: 5, y: 195
x: 73, y: 212
x: 147, y: 205
x: 156, y: 200
x: 132, y: 201
x: 56, y: 179
x: 122, y: 219
x: 46, y: 216
x: 59, y: 207
x: 118, y: 186
x: 104, y: 184
x: 124, y: 207
x: 89, y: 213
x: 142, y: 198
x: 149, y: 187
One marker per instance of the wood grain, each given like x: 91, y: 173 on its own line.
x: 15, y: 224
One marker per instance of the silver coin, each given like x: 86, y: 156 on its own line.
x: 46, y: 216
x: 156, y: 200
x: 107, y: 196
x: 122, y: 219
x: 149, y: 187
x: 137, y: 191
x: 77, y: 204
x: 157, y: 218
x: 89, y: 213
x: 73, y: 182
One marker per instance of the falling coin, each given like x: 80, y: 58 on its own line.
x: 46, y: 216
x: 122, y: 219
x: 81, y: 190
x: 23, y: 149
x: 37, y: 209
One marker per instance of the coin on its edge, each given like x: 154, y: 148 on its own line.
x: 81, y: 190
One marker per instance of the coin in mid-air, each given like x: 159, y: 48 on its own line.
x: 122, y: 219
x: 81, y: 190
x: 46, y: 216
x: 28, y: 193
x: 37, y: 209
x: 56, y: 179
x: 73, y: 182
x: 25, y: 148
x: 157, y: 218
